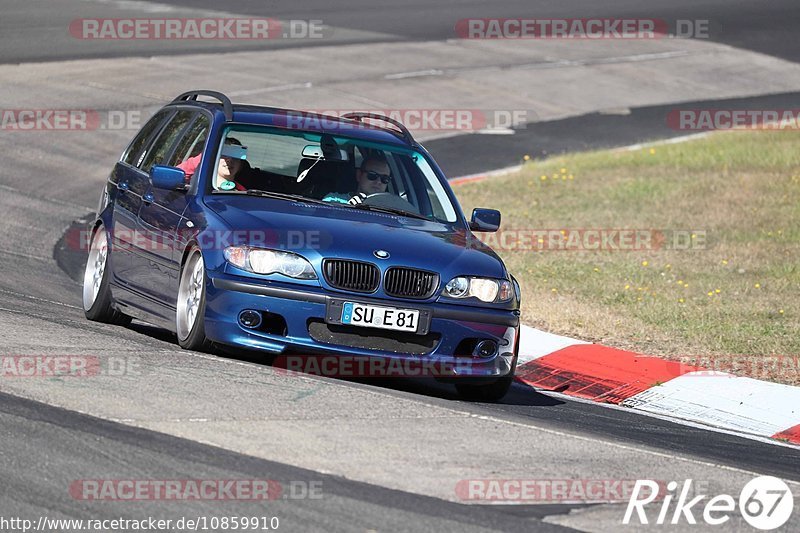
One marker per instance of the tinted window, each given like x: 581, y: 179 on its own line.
x: 278, y: 154
x: 131, y: 155
x: 158, y: 151
x: 192, y: 143
x: 413, y: 186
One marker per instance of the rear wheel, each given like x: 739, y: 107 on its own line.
x: 191, y: 308
x: 97, y: 301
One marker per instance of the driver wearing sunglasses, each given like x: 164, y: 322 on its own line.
x: 372, y: 178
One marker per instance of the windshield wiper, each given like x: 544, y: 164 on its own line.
x: 284, y: 196
x: 391, y: 210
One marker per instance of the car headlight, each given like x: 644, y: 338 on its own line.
x: 484, y: 289
x: 261, y: 261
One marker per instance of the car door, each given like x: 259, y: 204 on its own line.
x: 184, y: 137
x: 130, y: 184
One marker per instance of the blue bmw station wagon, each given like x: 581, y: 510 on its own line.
x: 289, y: 232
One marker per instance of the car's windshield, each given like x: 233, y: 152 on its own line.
x: 333, y: 169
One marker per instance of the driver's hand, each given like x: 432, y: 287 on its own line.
x: 357, y: 199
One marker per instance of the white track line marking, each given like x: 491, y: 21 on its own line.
x: 277, y: 88
x: 414, y: 74
x: 26, y: 256
x: 35, y: 298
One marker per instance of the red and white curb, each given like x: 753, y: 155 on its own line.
x: 654, y: 385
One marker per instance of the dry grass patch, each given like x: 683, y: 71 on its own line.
x: 731, y: 300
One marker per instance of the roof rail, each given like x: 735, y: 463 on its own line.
x: 358, y: 117
x: 227, y: 106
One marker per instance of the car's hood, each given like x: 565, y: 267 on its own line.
x: 320, y: 231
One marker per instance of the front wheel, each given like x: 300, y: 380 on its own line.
x: 97, y: 302
x: 491, y: 392
x: 191, y: 308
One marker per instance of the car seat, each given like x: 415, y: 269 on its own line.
x: 325, y: 177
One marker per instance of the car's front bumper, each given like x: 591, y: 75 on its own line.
x: 453, y: 329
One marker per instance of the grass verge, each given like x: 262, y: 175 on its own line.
x: 716, y: 284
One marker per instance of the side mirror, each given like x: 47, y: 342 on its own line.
x: 485, y: 220
x: 168, y: 178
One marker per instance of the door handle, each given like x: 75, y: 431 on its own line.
x: 123, y: 186
x: 148, y: 198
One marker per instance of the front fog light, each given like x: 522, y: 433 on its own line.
x: 250, y: 319
x: 485, y: 348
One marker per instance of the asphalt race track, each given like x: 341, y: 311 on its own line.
x: 383, y: 456
x: 739, y: 24
x: 768, y: 28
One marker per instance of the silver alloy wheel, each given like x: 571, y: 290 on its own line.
x: 95, y: 268
x: 190, y: 293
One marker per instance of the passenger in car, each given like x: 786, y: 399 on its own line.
x: 372, y: 177
x: 233, y: 168
x: 232, y: 163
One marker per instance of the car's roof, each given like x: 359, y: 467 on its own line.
x: 307, y: 121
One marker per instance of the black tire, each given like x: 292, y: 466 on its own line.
x: 488, y: 392
x: 192, y: 336
x: 100, y: 307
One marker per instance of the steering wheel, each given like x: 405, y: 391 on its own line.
x: 390, y: 200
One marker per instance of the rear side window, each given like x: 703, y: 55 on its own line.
x: 160, y: 149
x: 132, y: 154
x: 192, y: 143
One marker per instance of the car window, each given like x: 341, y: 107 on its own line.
x: 133, y: 155
x: 435, y: 198
x: 276, y: 153
x: 413, y: 187
x: 160, y: 149
x: 192, y: 143
x: 399, y: 184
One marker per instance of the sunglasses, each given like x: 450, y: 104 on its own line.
x: 372, y: 176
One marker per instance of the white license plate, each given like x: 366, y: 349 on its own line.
x: 373, y: 316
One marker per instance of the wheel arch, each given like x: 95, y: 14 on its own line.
x: 187, y: 250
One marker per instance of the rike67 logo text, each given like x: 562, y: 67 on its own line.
x: 765, y: 503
